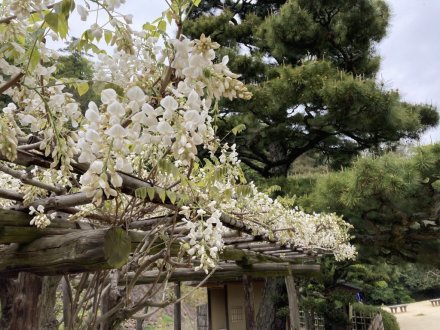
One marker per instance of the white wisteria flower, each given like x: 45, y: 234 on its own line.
x: 108, y: 96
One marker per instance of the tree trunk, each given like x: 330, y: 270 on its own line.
x: 267, y: 318
x: 67, y: 302
x: 140, y: 322
x: 7, y: 286
x: 34, y: 303
x: 249, y: 302
x: 109, y: 300
x: 278, y: 153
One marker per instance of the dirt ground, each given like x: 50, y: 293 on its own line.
x: 419, y: 316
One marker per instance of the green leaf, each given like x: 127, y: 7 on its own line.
x: 117, y: 247
x: 162, y: 26
x: 35, y: 58
x: 149, y: 27
x: 238, y: 129
x: 162, y: 194
x: 243, y: 190
x: 63, y: 27
x: 108, y: 36
x: 151, y: 192
x: 169, y: 16
x: 196, y: 2
x: 140, y: 193
x: 67, y: 6
x: 51, y: 19
x: 82, y: 88
x: 172, y: 196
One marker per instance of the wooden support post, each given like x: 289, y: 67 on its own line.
x: 293, y: 302
x: 67, y: 301
x: 177, y: 309
x: 25, y: 308
x: 140, y: 322
x: 249, y: 302
x: 7, y: 286
x: 34, y: 301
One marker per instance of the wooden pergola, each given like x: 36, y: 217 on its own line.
x: 92, y: 243
x: 71, y: 247
x: 68, y: 247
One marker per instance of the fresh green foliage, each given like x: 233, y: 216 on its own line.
x: 389, y: 320
x: 77, y: 72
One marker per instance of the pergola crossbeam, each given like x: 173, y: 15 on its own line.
x: 228, y: 272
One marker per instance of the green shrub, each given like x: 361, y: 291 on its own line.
x: 389, y: 320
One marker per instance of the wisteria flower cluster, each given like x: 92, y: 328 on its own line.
x: 153, y: 118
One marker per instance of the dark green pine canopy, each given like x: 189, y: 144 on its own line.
x: 311, y: 66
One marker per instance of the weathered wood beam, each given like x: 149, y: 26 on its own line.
x: 11, y: 195
x: 286, y: 251
x: 23, y: 235
x: 255, y: 245
x: 23, y: 219
x: 239, y: 239
x: 79, y: 251
x: 229, y: 272
x: 270, y: 249
x: 246, y: 257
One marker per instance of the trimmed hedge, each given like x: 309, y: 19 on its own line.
x: 389, y: 320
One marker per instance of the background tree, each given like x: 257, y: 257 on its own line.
x: 392, y: 202
x: 312, y: 67
x: 76, y: 65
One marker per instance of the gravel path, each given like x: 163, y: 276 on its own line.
x: 419, y: 316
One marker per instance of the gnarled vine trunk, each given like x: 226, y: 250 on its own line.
x: 28, y: 302
x: 267, y: 318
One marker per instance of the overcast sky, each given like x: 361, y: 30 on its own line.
x: 409, y: 52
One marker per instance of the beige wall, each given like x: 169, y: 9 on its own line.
x: 236, y: 308
x: 218, y: 308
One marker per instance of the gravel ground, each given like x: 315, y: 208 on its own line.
x: 419, y: 316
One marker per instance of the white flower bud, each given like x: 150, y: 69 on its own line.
x: 83, y: 12
x: 128, y: 19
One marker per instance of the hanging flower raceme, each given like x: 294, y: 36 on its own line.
x: 153, y: 116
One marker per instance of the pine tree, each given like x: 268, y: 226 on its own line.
x: 392, y: 202
x: 311, y: 66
